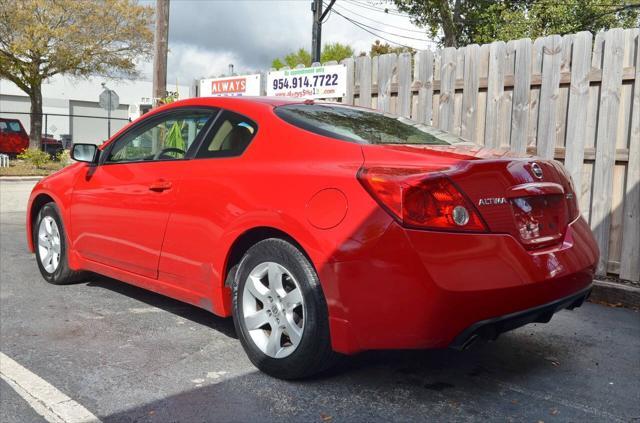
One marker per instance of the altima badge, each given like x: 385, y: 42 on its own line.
x: 492, y: 201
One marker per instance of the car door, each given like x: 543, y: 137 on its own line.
x: 120, y: 207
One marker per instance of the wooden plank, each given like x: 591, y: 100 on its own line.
x: 457, y: 96
x: 447, y: 88
x: 482, y: 94
x: 349, y: 64
x: 435, y: 107
x: 578, y: 106
x: 552, y: 57
x: 470, y: 92
x: 504, y: 132
x: 495, y: 91
x: 521, y: 90
x: 563, y: 94
x: 606, y: 136
x: 630, y: 256
x: 363, y: 66
x: 404, y: 85
x: 387, y: 65
x: 424, y: 81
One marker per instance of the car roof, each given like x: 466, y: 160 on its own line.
x: 237, y: 101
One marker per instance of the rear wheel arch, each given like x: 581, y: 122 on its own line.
x: 249, y: 238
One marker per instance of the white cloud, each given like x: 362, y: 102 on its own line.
x: 206, y: 35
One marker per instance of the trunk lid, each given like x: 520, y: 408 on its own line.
x: 531, y: 199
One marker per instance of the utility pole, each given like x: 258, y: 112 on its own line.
x: 316, y: 31
x: 161, y: 47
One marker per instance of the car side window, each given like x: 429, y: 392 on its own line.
x: 166, y: 138
x: 232, y: 134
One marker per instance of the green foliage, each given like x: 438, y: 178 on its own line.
x: 277, y: 63
x: 462, y: 22
x: 64, y: 157
x: 174, y: 139
x: 377, y: 48
x: 35, y: 157
x: 334, y: 51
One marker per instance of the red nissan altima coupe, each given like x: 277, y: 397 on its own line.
x: 321, y: 228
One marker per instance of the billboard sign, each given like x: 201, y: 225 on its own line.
x: 314, y: 82
x: 230, y: 86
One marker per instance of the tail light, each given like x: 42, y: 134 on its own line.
x: 421, y: 199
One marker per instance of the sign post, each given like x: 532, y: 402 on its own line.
x: 109, y: 101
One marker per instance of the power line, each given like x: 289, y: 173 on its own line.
x: 384, y: 32
x: 376, y: 9
x: 344, y: 9
x: 373, y: 33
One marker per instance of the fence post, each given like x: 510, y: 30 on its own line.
x: 606, y: 142
x: 495, y: 92
x: 424, y: 77
x: 630, y: 255
x: 549, y: 91
x: 578, y: 106
x: 404, y: 84
x: 363, y: 69
x: 386, y: 68
x: 350, y: 66
x: 470, y: 92
x: 447, y: 89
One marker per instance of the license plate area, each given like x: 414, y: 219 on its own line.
x: 540, y: 220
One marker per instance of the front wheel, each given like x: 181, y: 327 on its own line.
x: 51, y: 247
x: 280, y: 313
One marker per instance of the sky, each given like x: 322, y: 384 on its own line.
x: 205, y: 36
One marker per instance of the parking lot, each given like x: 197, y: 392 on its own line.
x: 128, y: 355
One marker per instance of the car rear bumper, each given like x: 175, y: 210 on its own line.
x: 423, y: 289
x: 490, y: 329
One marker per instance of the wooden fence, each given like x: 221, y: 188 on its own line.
x: 575, y: 98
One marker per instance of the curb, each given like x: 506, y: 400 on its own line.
x: 615, y: 294
x: 20, y: 178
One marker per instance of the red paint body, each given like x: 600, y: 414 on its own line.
x: 386, y: 286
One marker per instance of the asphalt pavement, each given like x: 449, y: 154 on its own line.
x: 128, y: 355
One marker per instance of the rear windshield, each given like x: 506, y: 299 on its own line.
x: 360, y: 125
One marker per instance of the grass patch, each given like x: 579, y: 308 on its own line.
x: 24, y: 168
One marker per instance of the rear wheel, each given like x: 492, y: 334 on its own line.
x: 280, y: 312
x: 50, y: 243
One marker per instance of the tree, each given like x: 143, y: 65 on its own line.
x: 463, y: 22
x: 334, y: 51
x: 377, y: 48
x: 43, y: 38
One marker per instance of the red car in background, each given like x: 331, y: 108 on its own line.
x: 14, y: 139
x: 321, y: 228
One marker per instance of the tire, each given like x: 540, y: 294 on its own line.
x: 55, y: 245
x: 305, y: 354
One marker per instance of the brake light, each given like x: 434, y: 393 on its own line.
x: 421, y: 199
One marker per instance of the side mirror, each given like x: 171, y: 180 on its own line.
x: 87, y: 153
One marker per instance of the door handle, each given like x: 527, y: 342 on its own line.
x: 160, y: 186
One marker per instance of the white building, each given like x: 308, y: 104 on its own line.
x: 70, y: 105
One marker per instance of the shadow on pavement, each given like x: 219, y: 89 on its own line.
x: 186, y: 311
